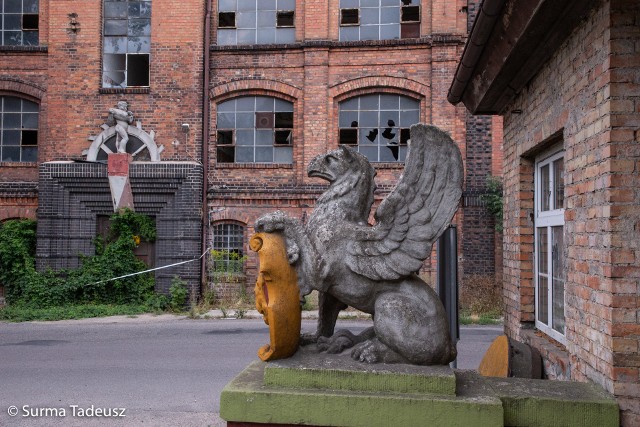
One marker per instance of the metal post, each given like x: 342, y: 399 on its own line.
x: 447, y: 250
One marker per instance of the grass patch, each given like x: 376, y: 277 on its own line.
x: 487, y: 318
x: 16, y: 313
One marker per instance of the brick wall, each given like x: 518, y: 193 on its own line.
x: 73, y: 195
x: 77, y: 105
x: 586, y: 96
x: 315, y: 75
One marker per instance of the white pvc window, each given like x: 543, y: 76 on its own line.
x: 550, y: 265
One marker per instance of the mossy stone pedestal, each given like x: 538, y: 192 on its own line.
x: 328, y: 390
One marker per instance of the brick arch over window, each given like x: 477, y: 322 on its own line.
x: 22, y: 89
x: 387, y: 84
x: 265, y: 87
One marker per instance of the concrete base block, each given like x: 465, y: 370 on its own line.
x: 328, y: 390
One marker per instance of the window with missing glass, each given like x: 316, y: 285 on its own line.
x: 19, y: 22
x: 255, y: 129
x: 126, y: 43
x: 379, y: 19
x: 377, y: 125
x: 18, y: 130
x: 550, y: 266
x: 242, y: 22
x: 227, y: 243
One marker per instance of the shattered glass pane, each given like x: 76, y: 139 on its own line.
x: 29, y: 137
x: 139, y: 27
x: 114, y: 79
x: 139, y: 44
x: 115, y: 44
x: 283, y: 137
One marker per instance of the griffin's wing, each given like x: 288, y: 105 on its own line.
x: 416, y: 212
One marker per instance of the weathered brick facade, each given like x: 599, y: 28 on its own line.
x: 584, y: 98
x: 315, y: 73
x: 319, y: 72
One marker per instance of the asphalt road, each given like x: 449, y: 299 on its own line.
x: 162, y: 370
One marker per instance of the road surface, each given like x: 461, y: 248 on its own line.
x: 162, y: 370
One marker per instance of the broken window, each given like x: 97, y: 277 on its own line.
x: 227, y: 20
x: 379, y: 19
x: 19, y: 22
x: 377, y: 125
x: 285, y: 19
x: 349, y: 17
x: 18, y: 130
x: 255, y: 129
x: 243, y: 22
x: 126, y: 43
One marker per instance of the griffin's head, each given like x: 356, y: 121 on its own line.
x: 349, y: 173
x: 338, y: 164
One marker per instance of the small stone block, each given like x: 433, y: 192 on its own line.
x: 319, y: 371
x: 118, y: 164
x: 247, y: 399
x: 543, y: 403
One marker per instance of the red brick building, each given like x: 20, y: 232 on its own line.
x: 269, y: 83
x: 565, y: 76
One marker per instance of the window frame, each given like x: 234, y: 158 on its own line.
x: 21, y: 129
x: 388, y: 23
x: 401, y: 131
x: 35, y: 15
x: 227, y: 236
x: 546, y: 220
x: 253, y: 25
x: 126, y: 53
x: 271, y: 126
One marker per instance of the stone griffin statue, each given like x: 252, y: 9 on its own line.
x: 373, y: 268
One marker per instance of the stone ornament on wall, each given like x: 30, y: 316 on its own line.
x: 119, y: 135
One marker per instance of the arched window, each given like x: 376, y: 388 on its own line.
x: 377, y: 125
x: 255, y: 129
x: 19, y: 130
x: 227, y: 243
x: 19, y: 22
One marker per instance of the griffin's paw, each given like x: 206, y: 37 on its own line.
x: 337, y: 342
x: 367, y: 352
x: 307, y: 338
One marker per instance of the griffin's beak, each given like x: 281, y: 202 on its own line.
x: 317, y: 169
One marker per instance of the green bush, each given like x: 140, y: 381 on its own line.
x: 89, y: 283
x: 178, y: 294
x: 493, y: 200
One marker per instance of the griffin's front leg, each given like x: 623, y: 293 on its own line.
x: 328, y: 310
